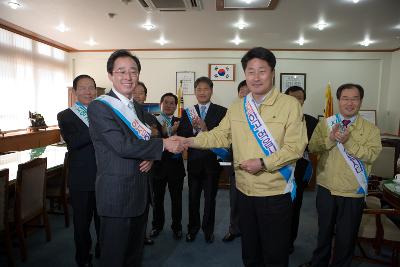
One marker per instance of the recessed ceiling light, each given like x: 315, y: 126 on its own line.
x: 14, y: 4
x: 91, y: 42
x: 356, y: 1
x: 241, y: 25
x: 301, y: 41
x: 162, y: 41
x: 237, y: 40
x: 397, y: 27
x: 62, y: 28
x: 321, y: 25
x: 148, y: 26
x: 366, y: 42
x: 247, y: 1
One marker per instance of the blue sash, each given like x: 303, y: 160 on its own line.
x: 266, y: 141
x: 81, y: 112
x: 140, y: 130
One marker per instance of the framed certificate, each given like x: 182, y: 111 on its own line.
x: 293, y: 79
x: 187, y: 78
x: 369, y: 115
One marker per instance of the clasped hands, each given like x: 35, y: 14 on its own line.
x: 177, y: 144
x: 338, y: 135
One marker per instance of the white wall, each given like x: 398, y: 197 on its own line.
x: 392, y: 109
x: 374, y: 71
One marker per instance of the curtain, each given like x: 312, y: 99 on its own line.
x: 33, y: 77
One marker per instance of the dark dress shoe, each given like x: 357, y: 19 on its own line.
x: 229, y: 237
x: 148, y: 241
x: 177, y: 235
x: 209, y: 238
x: 190, y: 237
x: 155, y: 232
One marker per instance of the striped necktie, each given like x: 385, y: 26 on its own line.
x: 203, y: 112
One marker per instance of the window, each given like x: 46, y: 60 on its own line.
x: 33, y: 78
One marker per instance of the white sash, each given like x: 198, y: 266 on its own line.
x: 129, y: 117
x: 266, y: 141
x: 356, y: 165
x: 80, y: 111
x: 165, y: 121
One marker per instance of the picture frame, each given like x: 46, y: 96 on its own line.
x: 293, y: 79
x: 222, y: 72
x: 187, y: 78
x: 153, y: 108
x: 368, y: 114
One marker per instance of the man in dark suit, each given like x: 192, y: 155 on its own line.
x: 124, y: 155
x: 73, y: 123
x: 203, y: 167
x: 302, y: 172
x: 170, y: 170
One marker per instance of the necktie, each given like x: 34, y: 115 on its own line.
x: 346, y: 122
x: 130, y: 106
x: 203, y: 112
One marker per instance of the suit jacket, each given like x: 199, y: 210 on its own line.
x: 121, y: 189
x: 198, y: 159
x: 82, y: 161
x: 302, y: 163
x: 170, y: 163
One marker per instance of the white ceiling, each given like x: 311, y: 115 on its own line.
x: 278, y: 29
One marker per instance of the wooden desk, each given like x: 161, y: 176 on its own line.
x: 54, y: 154
x: 23, y: 140
x: 391, y: 193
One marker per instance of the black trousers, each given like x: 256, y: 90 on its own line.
x: 209, y: 184
x: 341, y: 215
x: 84, y: 211
x: 122, y: 240
x: 265, y: 227
x: 297, y: 203
x: 234, y: 214
x: 175, y: 187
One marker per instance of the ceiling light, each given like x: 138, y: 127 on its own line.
x: 14, y: 4
x: 356, y: 1
x: 247, y: 1
x: 241, y: 25
x: 237, y: 40
x: 301, y: 41
x: 366, y: 42
x: 321, y: 25
x: 62, y: 28
x: 162, y: 41
x: 91, y: 42
x: 397, y: 27
x: 149, y: 26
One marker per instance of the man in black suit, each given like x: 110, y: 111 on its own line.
x: 303, y: 170
x: 203, y: 167
x: 74, y: 127
x: 124, y: 155
x: 170, y: 170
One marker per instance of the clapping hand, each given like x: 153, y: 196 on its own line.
x: 199, y: 124
x: 338, y: 135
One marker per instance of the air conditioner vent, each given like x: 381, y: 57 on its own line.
x: 171, y: 5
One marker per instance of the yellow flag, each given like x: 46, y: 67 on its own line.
x: 328, y: 101
x: 180, y: 100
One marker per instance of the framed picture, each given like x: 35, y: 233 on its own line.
x: 369, y: 115
x: 221, y: 72
x: 153, y: 108
x: 187, y: 79
x: 293, y: 79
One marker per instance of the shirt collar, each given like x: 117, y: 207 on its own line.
x: 263, y: 98
x: 121, y: 97
x: 352, y: 119
x: 206, y: 105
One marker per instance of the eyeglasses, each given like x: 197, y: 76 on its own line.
x: 350, y: 99
x: 131, y: 73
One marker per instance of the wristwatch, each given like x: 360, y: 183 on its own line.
x: 263, y: 167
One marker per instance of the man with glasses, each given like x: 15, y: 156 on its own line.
x: 347, y: 146
x: 124, y: 155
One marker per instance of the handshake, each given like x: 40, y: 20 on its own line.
x: 177, y: 144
